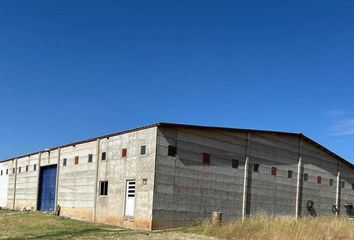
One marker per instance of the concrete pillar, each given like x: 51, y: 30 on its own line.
x: 245, y: 181
x: 39, y: 171
x: 338, y: 190
x: 299, y: 182
x: 15, y: 181
x: 245, y: 192
x: 98, y: 142
x: 57, y: 180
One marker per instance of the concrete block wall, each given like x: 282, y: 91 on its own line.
x: 26, y: 182
x: 11, y: 182
x: 181, y: 190
x: 4, y: 179
x: 76, y: 182
x: 118, y: 169
x: 347, y: 192
x: 77, y: 189
x: 187, y: 191
x: 267, y: 193
x: 77, y: 186
x: 317, y: 163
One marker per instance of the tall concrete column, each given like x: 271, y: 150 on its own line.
x: 39, y: 171
x: 338, y: 190
x: 98, y: 142
x: 15, y: 181
x: 299, y: 182
x: 245, y: 181
x: 57, y: 180
x: 245, y: 187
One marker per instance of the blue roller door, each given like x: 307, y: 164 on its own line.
x: 46, y: 192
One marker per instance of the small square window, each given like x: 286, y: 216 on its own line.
x: 343, y: 184
x: 65, y: 161
x: 103, y: 156
x: 319, y: 179
x: 1, y: 173
x: 206, y: 158
x: 7, y: 171
x: 144, y: 182
x: 26, y: 168
x: 34, y: 167
x: 306, y: 177
x: 255, y: 167
x: 124, y: 152
x: 13, y: 170
x: 331, y: 182
x: 143, y: 150
x: 172, y: 151
x: 90, y: 157
x: 19, y: 169
x: 274, y: 171
x: 290, y: 174
x: 77, y: 160
x: 103, y: 188
x: 235, y: 163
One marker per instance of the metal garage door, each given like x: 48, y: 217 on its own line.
x: 46, y: 191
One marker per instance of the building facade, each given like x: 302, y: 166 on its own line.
x: 169, y: 175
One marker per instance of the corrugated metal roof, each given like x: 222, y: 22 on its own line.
x: 166, y: 124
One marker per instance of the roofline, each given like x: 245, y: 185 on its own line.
x: 167, y: 124
x: 301, y: 135
x: 83, y: 141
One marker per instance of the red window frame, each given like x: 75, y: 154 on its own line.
x: 77, y: 160
x: 124, y: 152
x: 274, y: 171
x: 206, y: 158
x: 319, y: 179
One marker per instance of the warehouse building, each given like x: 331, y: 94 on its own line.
x: 168, y: 175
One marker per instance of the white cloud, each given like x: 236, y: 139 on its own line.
x: 343, y: 127
x: 336, y: 113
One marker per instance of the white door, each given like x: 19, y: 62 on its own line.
x: 130, y: 198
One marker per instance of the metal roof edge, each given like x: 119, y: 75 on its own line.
x: 84, y: 141
x: 188, y: 126
x: 264, y: 131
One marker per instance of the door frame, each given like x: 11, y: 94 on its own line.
x: 40, y: 172
x: 125, y: 197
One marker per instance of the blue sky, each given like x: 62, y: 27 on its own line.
x: 76, y: 69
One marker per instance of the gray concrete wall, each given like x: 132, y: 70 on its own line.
x: 11, y: 182
x: 272, y: 194
x: 76, y: 189
x: 78, y: 184
x: 26, y: 182
x: 318, y: 163
x: 181, y: 190
x: 347, y: 193
x: 4, y: 179
x: 117, y: 170
x: 188, y: 191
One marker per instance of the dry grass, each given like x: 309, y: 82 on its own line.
x: 36, y: 225
x: 262, y: 227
